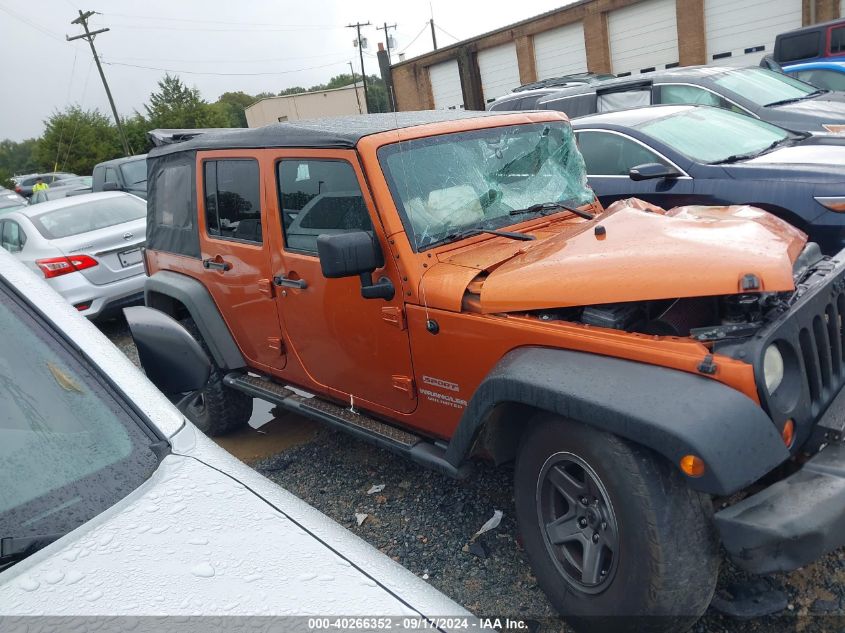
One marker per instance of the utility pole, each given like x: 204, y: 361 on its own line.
x: 355, y: 83
x: 89, y: 37
x: 386, y: 36
x: 431, y: 22
x: 358, y: 26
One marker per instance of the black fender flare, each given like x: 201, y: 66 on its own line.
x: 672, y: 412
x: 166, y: 285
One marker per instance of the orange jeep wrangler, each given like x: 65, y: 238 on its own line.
x: 446, y: 285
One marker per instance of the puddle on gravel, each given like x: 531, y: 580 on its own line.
x: 270, y: 431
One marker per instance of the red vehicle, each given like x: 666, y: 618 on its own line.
x: 816, y: 42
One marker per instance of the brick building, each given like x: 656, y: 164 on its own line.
x: 619, y: 36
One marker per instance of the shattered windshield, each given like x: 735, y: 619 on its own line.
x: 450, y: 183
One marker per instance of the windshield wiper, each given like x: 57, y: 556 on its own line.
x: 810, y: 95
x: 459, y: 235
x: 738, y: 157
x: 543, y: 207
x: 15, y: 548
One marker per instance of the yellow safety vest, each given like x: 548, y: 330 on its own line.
x: 43, y: 186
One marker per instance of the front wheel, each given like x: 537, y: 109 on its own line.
x: 617, y: 540
x: 216, y: 409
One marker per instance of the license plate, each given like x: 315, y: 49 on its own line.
x: 130, y: 257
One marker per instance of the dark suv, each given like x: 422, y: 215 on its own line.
x: 127, y: 174
x: 757, y: 92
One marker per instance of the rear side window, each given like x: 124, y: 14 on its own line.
x: 319, y: 197
x: 89, y: 216
x: 12, y: 237
x: 233, y: 199
x: 799, y: 46
x: 173, y: 205
x: 607, y: 154
x: 612, y: 101
x: 579, y: 105
x: 837, y: 40
x: 111, y: 175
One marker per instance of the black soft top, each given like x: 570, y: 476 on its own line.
x: 328, y: 133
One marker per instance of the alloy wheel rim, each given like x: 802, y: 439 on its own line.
x: 577, y: 522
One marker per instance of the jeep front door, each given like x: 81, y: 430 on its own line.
x: 350, y: 346
x: 236, y: 254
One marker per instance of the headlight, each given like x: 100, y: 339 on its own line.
x: 772, y: 368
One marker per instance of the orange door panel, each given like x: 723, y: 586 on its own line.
x: 347, y: 345
x: 235, y: 243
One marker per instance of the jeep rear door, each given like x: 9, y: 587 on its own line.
x: 235, y: 252
x: 349, y: 346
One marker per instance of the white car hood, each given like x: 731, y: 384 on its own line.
x: 803, y: 155
x: 193, y: 541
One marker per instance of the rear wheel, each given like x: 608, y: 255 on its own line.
x: 615, y: 537
x: 216, y: 409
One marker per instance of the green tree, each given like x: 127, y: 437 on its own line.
x: 18, y: 157
x: 136, y: 128
x: 233, y: 104
x: 295, y: 90
x: 177, y: 106
x: 75, y: 140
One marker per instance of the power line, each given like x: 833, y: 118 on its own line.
x: 445, y: 32
x: 224, y: 22
x: 34, y: 25
x: 182, y: 29
x: 360, y: 43
x: 88, y: 36
x: 219, y: 61
x: 416, y: 37
x: 217, y: 74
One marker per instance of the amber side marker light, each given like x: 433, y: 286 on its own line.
x: 788, y: 433
x: 692, y: 465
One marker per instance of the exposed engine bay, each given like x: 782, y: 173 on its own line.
x: 702, y: 318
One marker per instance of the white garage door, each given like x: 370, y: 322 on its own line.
x: 560, y: 51
x: 643, y: 37
x: 446, y: 85
x: 740, y: 33
x: 499, y: 71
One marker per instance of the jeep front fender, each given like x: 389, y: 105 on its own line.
x: 166, y: 285
x: 671, y: 412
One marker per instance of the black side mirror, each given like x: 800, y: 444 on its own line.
x: 354, y: 253
x: 111, y: 186
x: 172, y: 359
x: 650, y: 171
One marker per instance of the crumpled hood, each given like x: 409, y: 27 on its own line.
x: 645, y: 254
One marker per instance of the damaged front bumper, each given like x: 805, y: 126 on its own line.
x: 792, y: 522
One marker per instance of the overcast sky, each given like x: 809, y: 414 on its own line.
x: 215, y: 45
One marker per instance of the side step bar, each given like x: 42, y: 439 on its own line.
x: 358, y: 424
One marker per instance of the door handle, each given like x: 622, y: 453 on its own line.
x: 280, y: 280
x: 216, y: 263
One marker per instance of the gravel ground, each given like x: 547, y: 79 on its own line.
x: 426, y: 522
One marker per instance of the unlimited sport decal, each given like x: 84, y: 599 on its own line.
x: 442, y: 398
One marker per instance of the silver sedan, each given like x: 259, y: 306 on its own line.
x: 88, y: 247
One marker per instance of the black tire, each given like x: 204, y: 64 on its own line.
x: 656, y: 557
x: 216, y: 409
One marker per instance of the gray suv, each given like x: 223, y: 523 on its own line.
x: 757, y: 92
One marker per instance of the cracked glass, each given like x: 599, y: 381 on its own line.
x: 450, y: 183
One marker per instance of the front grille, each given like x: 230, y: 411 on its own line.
x: 810, y: 337
x: 821, y: 348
